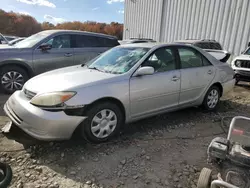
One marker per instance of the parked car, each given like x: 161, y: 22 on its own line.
x: 211, y: 46
x: 12, y: 42
x: 124, y: 84
x: 241, y: 66
x: 46, y: 51
x: 10, y: 38
x: 136, y: 40
x: 3, y: 40
x: 202, y: 43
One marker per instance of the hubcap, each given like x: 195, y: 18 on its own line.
x: 103, y: 123
x: 213, y: 98
x: 12, y: 81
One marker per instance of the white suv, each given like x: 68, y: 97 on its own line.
x: 241, y: 66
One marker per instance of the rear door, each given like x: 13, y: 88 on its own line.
x: 197, y: 74
x: 87, y: 47
x: 60, y: 55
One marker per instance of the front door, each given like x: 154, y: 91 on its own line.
x: 60, y: 55
x: 197, y: 74
x: 159, y: 91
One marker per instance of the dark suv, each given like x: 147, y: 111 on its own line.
x: 202, y: 43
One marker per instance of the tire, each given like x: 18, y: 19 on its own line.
x: 97, y: 134
x: 205, y: 178
x: 206, y: 105
x: 7, y: 175
x: 15, y: 72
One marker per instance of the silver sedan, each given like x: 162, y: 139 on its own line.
x: 122, y: 85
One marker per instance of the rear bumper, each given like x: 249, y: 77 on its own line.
x: 38, y: 123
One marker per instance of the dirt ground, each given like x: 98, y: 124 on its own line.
x: 163, y: 151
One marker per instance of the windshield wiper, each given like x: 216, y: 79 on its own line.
x: 95, y: 68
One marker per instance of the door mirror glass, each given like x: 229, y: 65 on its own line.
x: 144, y: 71
x: 45, y: 46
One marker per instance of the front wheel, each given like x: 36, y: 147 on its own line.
x: 212, y: 98
x: 12, y: 78
x: 104, y: 121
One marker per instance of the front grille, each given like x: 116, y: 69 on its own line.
x: 244, y: 63
x: 29, y: 94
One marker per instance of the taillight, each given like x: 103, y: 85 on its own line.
x: 237, y: 132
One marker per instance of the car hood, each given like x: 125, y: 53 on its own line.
x: 5, y: 46
x: 243, y: 57
x: 69, y: 78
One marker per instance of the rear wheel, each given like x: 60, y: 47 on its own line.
x: 12, y: 78
x: 104, y: 121
x: 212, y: 98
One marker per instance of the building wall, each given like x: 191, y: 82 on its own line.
x: 227, y: 21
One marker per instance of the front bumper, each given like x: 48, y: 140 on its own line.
x: 38, y: 123
x: 242, y: 75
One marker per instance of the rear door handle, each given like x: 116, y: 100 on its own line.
x: 175, y: 78
x: 210, y: 72
x: 68, y: 54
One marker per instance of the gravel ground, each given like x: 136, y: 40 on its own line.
x: 163, y: 151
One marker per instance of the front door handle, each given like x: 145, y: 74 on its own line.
x: 175, y: 78
x: 210, y: 72
x: 68, y: 54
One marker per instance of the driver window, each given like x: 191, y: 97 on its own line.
x: 161, y: 60
x: 61, y: 41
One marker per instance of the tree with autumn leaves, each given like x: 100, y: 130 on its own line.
x: 24, y: 25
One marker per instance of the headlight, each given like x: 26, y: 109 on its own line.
x: 237, y: 63
x: 53, y: 99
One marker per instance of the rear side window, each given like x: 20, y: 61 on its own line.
x: 107, y: 42
x: 216, y: 46
x: 203, y: 45
x: 81, y: 41
x: 190, y: 58
x: 209, y: 45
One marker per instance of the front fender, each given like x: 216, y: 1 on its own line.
x: 88, y: 95
x: 20, y: 63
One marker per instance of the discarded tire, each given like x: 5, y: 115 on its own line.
x: 205, y: 178
x: 5, y: 175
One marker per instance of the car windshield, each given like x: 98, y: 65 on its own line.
x: 247, y: 51
x: 118, y: 60
x: 32, y: 40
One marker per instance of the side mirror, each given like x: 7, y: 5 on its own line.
x: 144, y: 71
x: 249, y: 44
x: 45, y: 47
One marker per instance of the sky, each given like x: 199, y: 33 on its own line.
x: 58, y: 11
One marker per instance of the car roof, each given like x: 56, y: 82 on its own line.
x: 192, y: 41
x: 77, y: 32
